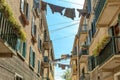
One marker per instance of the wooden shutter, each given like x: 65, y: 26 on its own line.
x: 35, y: 30
x: 22, y: 6
x: 111, y: 31
x: 89, y: 6
x: 38, y: 42
x: 24, y: 49
x: 89, y: 63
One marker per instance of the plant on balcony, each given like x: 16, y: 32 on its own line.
x: 6, y: 10
x: 101, y: 45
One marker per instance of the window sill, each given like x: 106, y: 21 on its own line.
x: 20, y: 55
x: 31, y: 67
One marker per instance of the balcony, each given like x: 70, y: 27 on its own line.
x: 83, y: 55
x: 92, y: 63
x: 46, y: 61
x: 83, y: 33
x: 109, y: 57
x: 85, y: 76
x: 8, y: 38
x: 106, y: 11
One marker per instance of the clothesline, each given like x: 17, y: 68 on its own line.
x: 69, y: 12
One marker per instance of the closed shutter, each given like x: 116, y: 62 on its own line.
x: 18, y: 45
x: 22, y: 6
x: 38, y: 66
x: 89, y: 6
x: 33, y: 59
x: 38, y: 42
x: 89, y: 64
x: 33, y: 26
x: 24, y: 49
x: 35, y: 30
x: 28, y: 12
x: 31, y: 56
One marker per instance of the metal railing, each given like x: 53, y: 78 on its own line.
x: 7, y: 32
x: 98, y: 9
x: 109, y: 50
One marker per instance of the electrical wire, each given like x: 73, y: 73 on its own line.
x: 63, y: 23
x: 71, y: 2
x: 64, y: 37
x: 58, y: 29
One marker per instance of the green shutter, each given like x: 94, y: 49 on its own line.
x: 24, y: 49
x: 18, y: 45
x: 38, y: 42
x: 28, y: 12
x: 33, y: 26
x: 33, y: 59
x: 38, y: 66
x: 31, y: 56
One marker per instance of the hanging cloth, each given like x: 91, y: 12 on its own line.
x: 44, y: 6
x: 82, y: 12
x: 56, y: 8
x: 70, y: 13
x: 63, y: 67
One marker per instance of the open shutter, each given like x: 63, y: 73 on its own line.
x: 24, y: 49
x: 111, y: 31
x: 35, y: 30
x: 38, y: 42
x: 31, y: 56
x: 89, y: 6
x: 33, y: 26
x: 38, y: 66
x: 18, y: 45
x: 22, y: 6
x: 33, y: 59
x: 89, y: 64
x: 28, y: 12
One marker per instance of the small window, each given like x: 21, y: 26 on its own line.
x: 36, y: 6
x: 39, y: 43
x: 18, y: 77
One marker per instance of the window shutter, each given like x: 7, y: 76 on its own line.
x: 22, y: 6
x: 89, y: 63
x: 18, y: 45
x: 24, y: 49
x: 31, y: 56
x: 111, y: 31
x: 33, y: 59
x: 33, y: 26
x: 38, y: 42
x: 28, y: 12
x: 35, y: 30
x: 38, y: 66
x: 89, y: 6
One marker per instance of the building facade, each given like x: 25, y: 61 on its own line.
x: 25, y: 45
x: 98, y: 47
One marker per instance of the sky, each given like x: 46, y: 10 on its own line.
x: 62, y: 39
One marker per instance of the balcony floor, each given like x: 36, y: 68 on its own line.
x: 111, y: 10
x: 5, y: 50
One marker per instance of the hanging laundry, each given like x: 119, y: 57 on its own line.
x: 63, y: 67
x: 70, y: 13
x: 44, y: 6
x: 59, y: 65
x: 82, y: 12
x: 56, y: 8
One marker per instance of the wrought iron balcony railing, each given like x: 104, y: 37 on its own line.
x: 109, y: 50
x: 8, y: 33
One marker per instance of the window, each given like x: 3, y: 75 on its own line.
x: 21, y: 48
x: 93, y: 28
x: 18, y: 77
x: 25, y: 11
x: 39, y: 43
x: 39, y: 66
x: 34, y: 30
x: 36, y: 6
x: 32, y: 58
x: 45, y: 35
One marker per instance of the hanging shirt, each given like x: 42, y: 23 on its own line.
x: 56, y: 8
x: 70, y: 13
x: 44, y: 6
